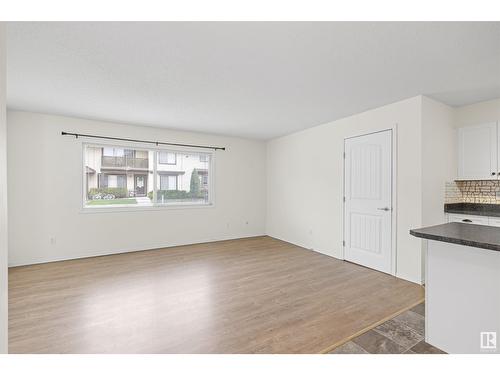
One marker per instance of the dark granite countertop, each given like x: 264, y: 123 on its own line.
x: 480, y: 209
x: 481, y: 236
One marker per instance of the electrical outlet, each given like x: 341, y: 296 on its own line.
x: 52, y: 240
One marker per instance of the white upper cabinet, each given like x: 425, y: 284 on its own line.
x: 478, y: 157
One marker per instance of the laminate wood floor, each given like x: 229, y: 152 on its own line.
x: 254, y: 295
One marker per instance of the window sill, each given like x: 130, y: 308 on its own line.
x: 157, y: 207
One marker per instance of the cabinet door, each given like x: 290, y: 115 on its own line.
x: 468, y: 219
x: 477, y: 152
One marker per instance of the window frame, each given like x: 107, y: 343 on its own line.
x: 154, y: 205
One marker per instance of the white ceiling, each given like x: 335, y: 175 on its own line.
x: 258, y: 80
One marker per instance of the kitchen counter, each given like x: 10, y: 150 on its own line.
x: 479, y: 209
x: 480, y: 236
x: 462, y: 286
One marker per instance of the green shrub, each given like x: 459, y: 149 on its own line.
x: 174, y: 194
x: 117, y: 192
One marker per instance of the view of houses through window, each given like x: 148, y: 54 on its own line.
x: 123, y: 177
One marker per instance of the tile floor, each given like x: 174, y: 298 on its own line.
x: 401, y: 334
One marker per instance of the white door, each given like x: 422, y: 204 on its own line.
x: 368, y: 200
x: 477, y: 152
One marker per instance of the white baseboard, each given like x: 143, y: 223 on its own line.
x: 399, y: 276
x: 97, y: 253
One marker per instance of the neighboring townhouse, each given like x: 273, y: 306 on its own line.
x: 175, y: 171
x: 132, y: 169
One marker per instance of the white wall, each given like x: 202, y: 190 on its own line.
x: 301, y: 203
x: 439, y: 158
x: 305, y: 182
x: 478, y: 113
x: 3, y: 196
x: 45, y: 182
x: 439, y: 161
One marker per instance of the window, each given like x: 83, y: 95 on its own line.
x: 168, y: 182
x: 182, y: 183
x: 129, y: 153
x: 112, y: 151
x: 117, y: 176
x: 204, y: 179
x: 112, y: 181
x: 167, y: 158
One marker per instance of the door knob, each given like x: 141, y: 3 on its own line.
x: 384, y: 209
x: 492, y: 173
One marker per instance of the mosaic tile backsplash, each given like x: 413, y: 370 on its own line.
x: 472, y: 192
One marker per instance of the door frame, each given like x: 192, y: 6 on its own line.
x: 394, y: 191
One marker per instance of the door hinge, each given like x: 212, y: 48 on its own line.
x: 343, y: 243
x: 344, y: 199
x: 344, y: 155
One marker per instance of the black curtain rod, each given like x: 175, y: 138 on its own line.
x: 76, y: 135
